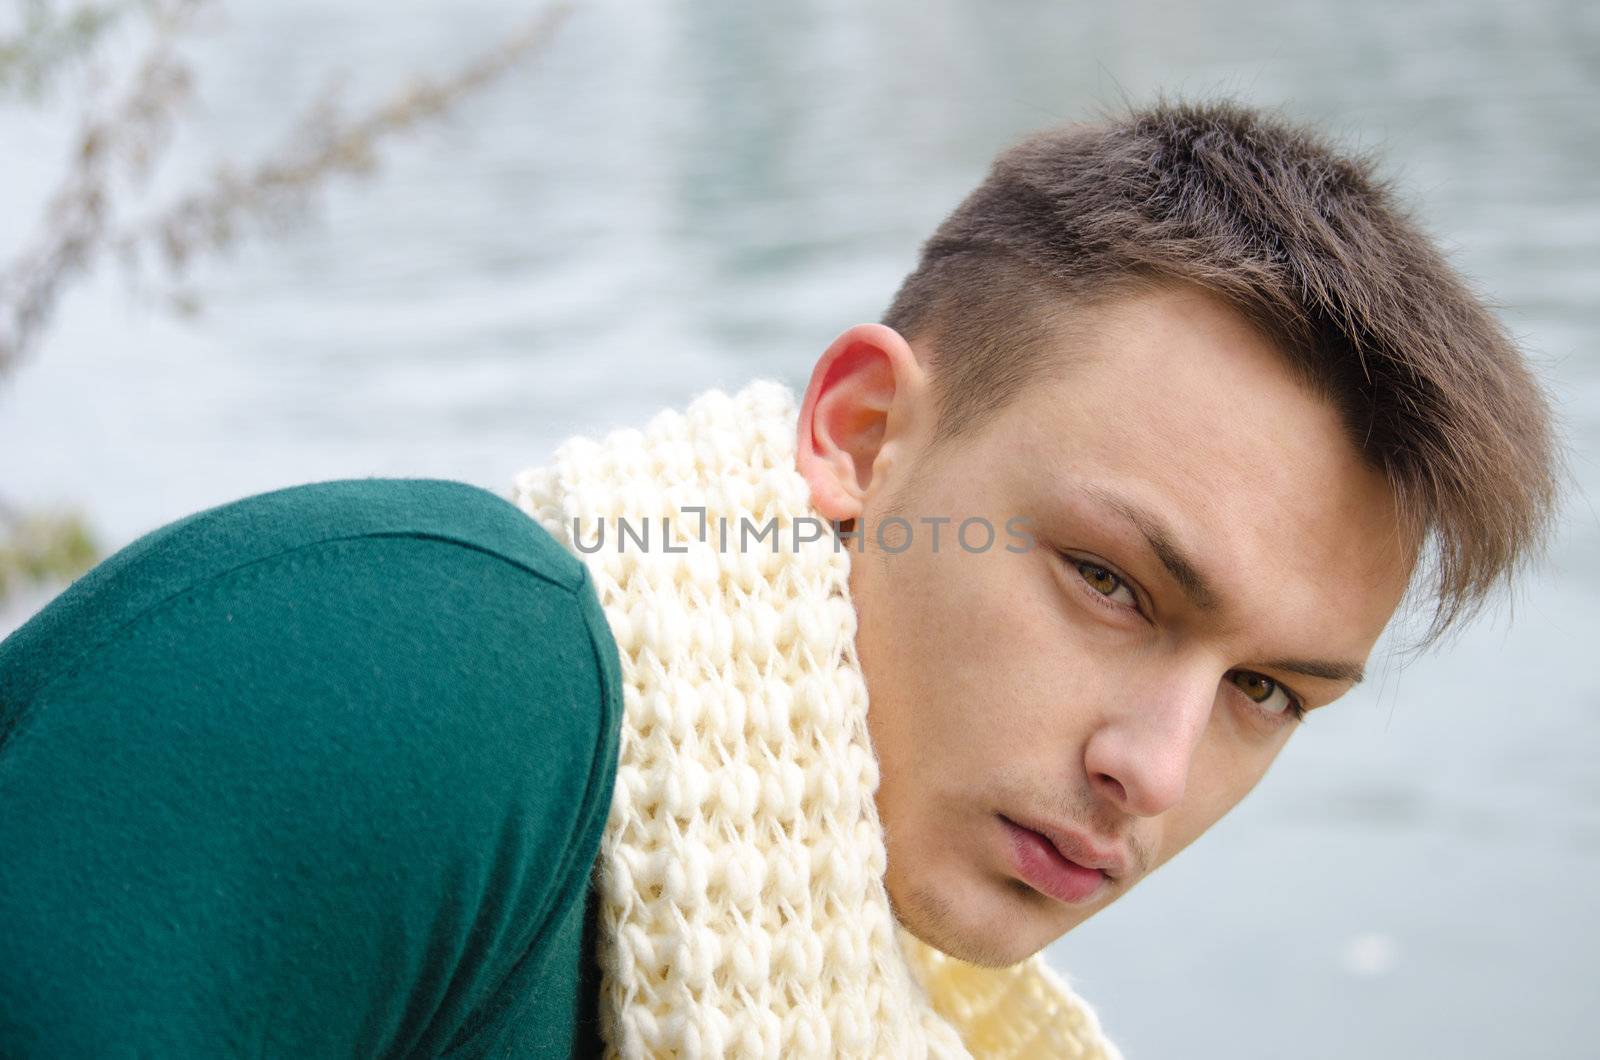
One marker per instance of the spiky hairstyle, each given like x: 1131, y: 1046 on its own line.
x: 1308, y: 243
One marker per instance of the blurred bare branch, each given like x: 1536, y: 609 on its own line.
x: 324, y: 144
x: 77, y: 217
x: 51, y: 38
x: 118, y: 145
x: 79, y: 223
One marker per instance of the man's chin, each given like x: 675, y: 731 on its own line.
x: 976, y: 932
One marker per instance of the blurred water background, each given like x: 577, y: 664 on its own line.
x: 689, y: 193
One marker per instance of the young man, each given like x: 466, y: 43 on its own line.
x: 803, y: 725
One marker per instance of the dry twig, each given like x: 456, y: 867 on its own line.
x: 50, y: 39
x: 79, y: 223
x: 120, y: 145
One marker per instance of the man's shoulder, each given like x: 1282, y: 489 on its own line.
x: 265, y: 524
x: 253, y: 532
x: 360, y: 726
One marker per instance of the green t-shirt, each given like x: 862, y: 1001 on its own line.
x: 321, y: 772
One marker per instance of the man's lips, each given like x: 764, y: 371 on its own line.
x: 1062, y: 863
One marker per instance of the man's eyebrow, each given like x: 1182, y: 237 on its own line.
x: 1348, y: 672
x: 1201, y: 593
x: 1160, y: 539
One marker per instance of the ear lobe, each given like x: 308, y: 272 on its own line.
x: 860, y: 396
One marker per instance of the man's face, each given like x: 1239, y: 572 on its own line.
x: 1207, y: 553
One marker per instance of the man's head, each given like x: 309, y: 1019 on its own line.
x: 1220, y: 405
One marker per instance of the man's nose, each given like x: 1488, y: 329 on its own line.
x: 1140, y: 756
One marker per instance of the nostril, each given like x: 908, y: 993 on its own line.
x: 1113, y: 786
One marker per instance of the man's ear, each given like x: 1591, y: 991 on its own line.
x: 863, y: 408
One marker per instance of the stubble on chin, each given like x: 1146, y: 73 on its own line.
x: 931, y: 917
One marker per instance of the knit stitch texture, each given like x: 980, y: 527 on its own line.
x: 742, y: 905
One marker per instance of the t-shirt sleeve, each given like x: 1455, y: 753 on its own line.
x: 327, y: 801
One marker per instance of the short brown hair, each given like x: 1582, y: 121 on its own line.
x: 1305, y: 241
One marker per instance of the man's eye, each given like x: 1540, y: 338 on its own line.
x: 1272, y: 697
x: 1106, y: 583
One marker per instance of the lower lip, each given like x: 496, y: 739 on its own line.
x: 1044, y: 869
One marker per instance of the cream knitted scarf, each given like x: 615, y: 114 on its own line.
x: 742, y: 907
